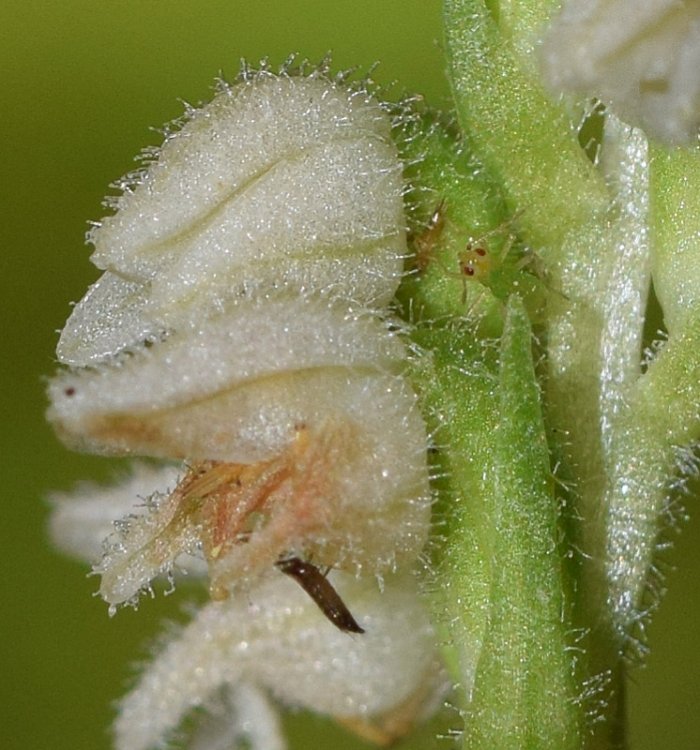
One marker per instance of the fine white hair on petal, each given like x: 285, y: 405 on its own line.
x: 82, y: 519
x: 279, y: 640
x: 279, y: 183
x: 242, y: 714
x: 641, y: 58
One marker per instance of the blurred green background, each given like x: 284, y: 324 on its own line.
x: 83, y: 80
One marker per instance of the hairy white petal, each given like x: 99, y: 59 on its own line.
x: 642, y: 58
x: 110, y: 318
x: 245, y: 132
x: 81, y: 520
x: 144, y: 547
x: 279, y: 183
x: 315, y: 222
x: 281, y: 641
x: 253, y: 342
x: 244, y: 714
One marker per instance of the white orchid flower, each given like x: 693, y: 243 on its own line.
x: 308, y: 443
x: 241, y: 329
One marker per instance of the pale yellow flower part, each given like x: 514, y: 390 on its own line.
x: 640, y: 57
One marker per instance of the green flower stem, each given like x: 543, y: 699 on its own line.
x: 503, y: 597
x: 522, y: 136
x: 595, y: 240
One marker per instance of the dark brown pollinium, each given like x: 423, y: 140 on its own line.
x: 319, y: 588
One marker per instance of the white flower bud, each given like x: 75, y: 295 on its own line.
x: 640, y: 57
